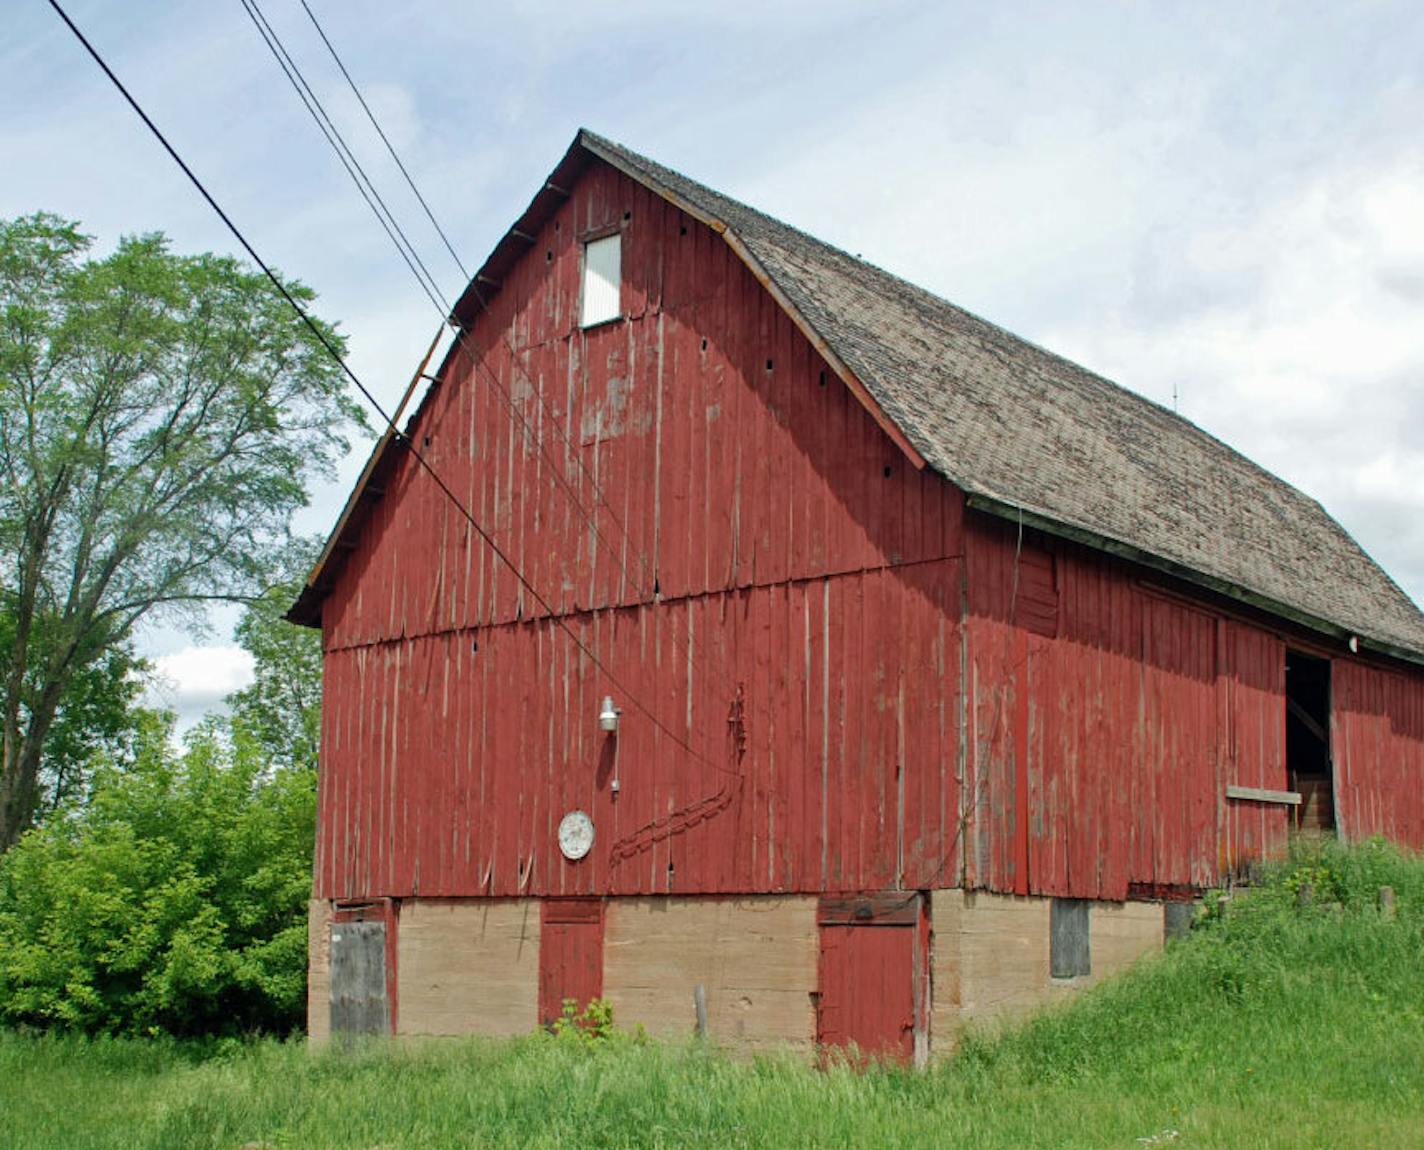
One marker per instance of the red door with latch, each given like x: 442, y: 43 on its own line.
x: 570, y: 954
x: 871, y: 971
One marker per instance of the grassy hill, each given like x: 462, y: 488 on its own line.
x: 1279, y: 1023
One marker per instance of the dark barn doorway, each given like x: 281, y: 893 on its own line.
x: 1308, y: 740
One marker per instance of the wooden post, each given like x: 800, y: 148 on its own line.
x: 1386, y: 902
x: 699, y: 1002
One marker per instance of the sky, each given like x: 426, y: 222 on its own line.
x: 1220, y: 206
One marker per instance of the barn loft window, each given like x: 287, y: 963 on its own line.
x: 602, y: 275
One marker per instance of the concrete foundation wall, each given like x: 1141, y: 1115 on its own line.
x: 990, y: 956
x: 471, y: 966
x: 1122, y: 932
x: 756, y: 957
x: 318, y: 970
x: 989, y: 959
x: 468, y: 966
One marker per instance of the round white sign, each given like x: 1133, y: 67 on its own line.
x: 575, y: 835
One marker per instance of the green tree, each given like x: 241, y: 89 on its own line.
x: 160, y: 417
x: 281, y: 708
x: 173, y: 899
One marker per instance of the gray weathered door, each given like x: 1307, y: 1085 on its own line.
x: 358, y: 979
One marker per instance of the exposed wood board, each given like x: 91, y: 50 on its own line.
x: 1307, y: 721
x: 1262, y: 795
x: 359, y: 1002
x: 318, y: 970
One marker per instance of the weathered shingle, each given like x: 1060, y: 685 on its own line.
x: 1006, y: 420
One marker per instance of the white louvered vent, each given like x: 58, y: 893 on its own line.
x: 602, y: 260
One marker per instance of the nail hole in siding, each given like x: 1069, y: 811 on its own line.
x: 768, y: 365
x: 704, y: 345
x: 627, y: 216
x: 823, y: 379
x: 888, y: 470
x: 682, y: 231
x: 549, y: 256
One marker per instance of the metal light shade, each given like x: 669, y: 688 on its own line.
x: 608, y: 716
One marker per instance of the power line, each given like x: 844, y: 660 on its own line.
x: 340, y: 360
x: 706, y: 807
x: 478, y: 361
x: 449, y: 247
x: 442, y: 305
x: 642, y: 561
x: 348, y: 159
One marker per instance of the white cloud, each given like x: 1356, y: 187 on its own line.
x: 1316, y: 371
x: 196, y: 680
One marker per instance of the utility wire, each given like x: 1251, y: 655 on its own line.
x: 449, y: 247
x: 442, y: 305
x: 346, y: 369
x: 691, y: 813
x: 480, y: 299
x: 642, y: 562
x: 348, y: 159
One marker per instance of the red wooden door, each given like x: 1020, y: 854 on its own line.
x: 570, y: 954
x: 871, y: 974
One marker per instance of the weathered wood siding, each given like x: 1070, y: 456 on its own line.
x: 1107, y: 717
x: 754, y: 534
x: 1378, y: 748
x: 829, y: 682
x: 1253, y: 741
x: 701, y: 444
x: 1092, y: 737
x: 446, y: 770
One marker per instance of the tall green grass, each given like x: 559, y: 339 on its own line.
x: 1275, y: 1025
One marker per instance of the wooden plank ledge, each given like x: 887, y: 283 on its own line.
x: 1262, y: 795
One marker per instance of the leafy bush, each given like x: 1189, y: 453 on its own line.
x: 173, y: 900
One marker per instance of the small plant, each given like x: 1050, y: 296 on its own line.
x: 591, y: 1025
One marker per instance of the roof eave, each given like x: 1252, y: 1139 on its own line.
x: 1014, y: 513
x: 306, y: 611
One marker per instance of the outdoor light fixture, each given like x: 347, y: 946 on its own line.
x: 608, y: 716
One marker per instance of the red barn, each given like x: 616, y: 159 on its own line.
x: 734, y: 615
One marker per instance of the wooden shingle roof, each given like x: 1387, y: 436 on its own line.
x: 1022, y: 430
x: 1025, y: 433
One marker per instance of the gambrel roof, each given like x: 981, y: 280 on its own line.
x: 1024, y: 433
